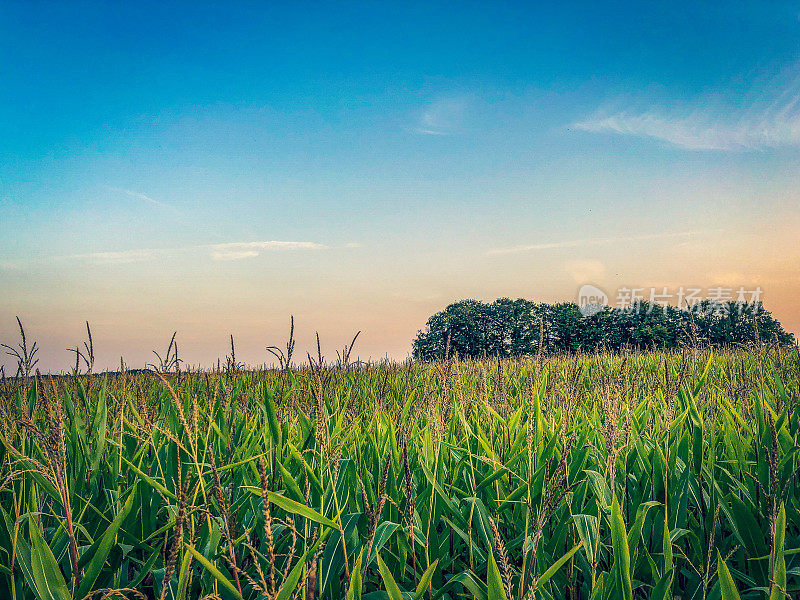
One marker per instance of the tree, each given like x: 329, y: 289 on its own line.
x: 506, y: 327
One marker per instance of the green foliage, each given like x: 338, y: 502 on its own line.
x: 494, y: 582
x: 473, y: 329
x: 651, y: 475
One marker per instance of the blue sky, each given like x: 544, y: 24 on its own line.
x: 215, y: 168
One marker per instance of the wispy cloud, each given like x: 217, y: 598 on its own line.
x: 243, y: 250
x: 137, y: 195
x: 592, y: 242
x: 125, y: 256
x: 768, y: 118
x: 225, y: 251
x: 443, y: 116
x: 233, y: 254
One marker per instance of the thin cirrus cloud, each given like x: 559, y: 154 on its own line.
x: 137, y: 195
x: 768, y: 119
x: 444, y: 116
x: 243, y: 250
x: 592, y: 242
x: 223, y: 252
x: 125, y: 256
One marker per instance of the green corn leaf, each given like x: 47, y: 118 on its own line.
x: 98, y: 560
x: 494, y: 583
x: 272, y: 418
x: 354, y: 589
x: 184, y: 574
x: 50, y: 584
x: 666, y: 543
x: 289, y: 481
x: 382, y: 534
x: 661, y: 591
x: 547, y: 575
x: 23, y: 551
x: 726, y: 584
x: 149, y: 480
x: 99, y: 423
x: 388, y: 581
x: 289, y: 584
x: 635, y: 533
x: 778, y: 591
x: 588, y: 530
x: 600, y: 488
x: 425, y: 580
x: 622, y: 557
x: 468, y: 580
x: 295, y: 508
x: 215, y: 572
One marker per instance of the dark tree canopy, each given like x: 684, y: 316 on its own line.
x: 505, y: 327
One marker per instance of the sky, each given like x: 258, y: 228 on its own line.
x: 214, y: 168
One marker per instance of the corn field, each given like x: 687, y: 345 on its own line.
x: 649, y: 475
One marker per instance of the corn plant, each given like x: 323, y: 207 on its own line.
x: 650, y: 475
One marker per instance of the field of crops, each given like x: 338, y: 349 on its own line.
x: 662, y: 475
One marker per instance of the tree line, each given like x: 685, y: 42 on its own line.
x: 505, y: 327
